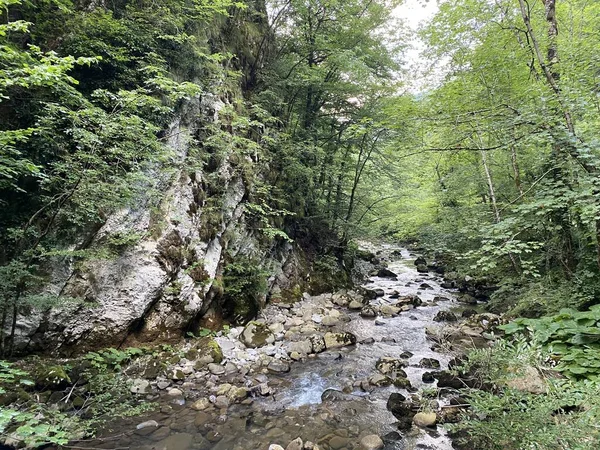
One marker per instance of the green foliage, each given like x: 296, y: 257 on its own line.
x: 571, y: 337
x: 506, y: 418
x: 112, y: 358
x: 244, y: 288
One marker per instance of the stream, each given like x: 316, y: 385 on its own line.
x: 350, y: 410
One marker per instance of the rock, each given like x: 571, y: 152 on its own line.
x: 379, y: 321
x: 338, y: 442
x: 264, y: 389
x: 301, y: 347
x: 147, y: 424
x: 429, y: 363
x: 179, y: 441
x: 237, y: 394
x: 330, y: 321
x: 216, y: 369
x: 330, y: 395
x: 388, y: 366
x: 276, y: 328
x: 368, y: 312
x: 317, y: 342
x: 51, y: 377
x: 355, y: 305
x: 370, y: 293
x: 380, y: 380
x: 140, y: 386
x: 389, y: 310
x: 406, y: 355
x: 174, y: 392
x: 221, y: 401
x: 371, y: 442
x: 256, y: 334
x: 201, y: 404
x: 392, y: 437
x: 445, y: 316
x: 402, y: 383
x: 342, y: 339
x: 202, y: 419
x: 528, y: 380
x: 176, y: 374
x: 317, y: 318
x: 421, y: 268
x: 386, y: 273
x: 379, y: 292
x: 275, y: 447
x: 425, y: 419
x: 439, y: 298
x: 369, y: 340
x: 467, y: 298
x: 278, y: 366
x: 448, y: 284
x: 468, y: 313
x: 428, y: 377
x: 402, y: 410
x: 425, y: 286
x: 420, y: 261
x: 296, y: 444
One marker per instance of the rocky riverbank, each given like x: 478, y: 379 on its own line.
x: 350, y: 370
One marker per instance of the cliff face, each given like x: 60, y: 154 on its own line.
x: 171, y: 278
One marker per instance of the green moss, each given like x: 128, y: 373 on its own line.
x: 51, y: 377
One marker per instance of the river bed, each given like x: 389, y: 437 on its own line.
x: 351, y: 410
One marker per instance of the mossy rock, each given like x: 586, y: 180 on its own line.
x: 51, y: 377
x: 153, y: 368
x: 256, y: 334
x: 207, y: 347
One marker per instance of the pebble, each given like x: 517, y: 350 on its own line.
x: 174, y: 392
x: 371, y: 442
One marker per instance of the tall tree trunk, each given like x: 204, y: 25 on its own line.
x: 552, y: 76
x: 491, y: 192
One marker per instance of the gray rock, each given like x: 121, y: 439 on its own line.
x: 429, y: 363
x: 301, y: 347
x: 425, y: 419
x: 389, y: 366
x: 296, y: 444
x: 330, y: 321
x: 371, y: 442
x: 278, y: 366
x: 342, y: 339
x: 445, y: 316
x: 140, y: 386
x: 256, y: 334
x: 317, y: 342
x: 368, y: 312
x: 355, y: 305
x: 216, y: 369
x: 174, y: 392
x: 147, y: 424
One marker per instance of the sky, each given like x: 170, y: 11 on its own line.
x: 415, y: 13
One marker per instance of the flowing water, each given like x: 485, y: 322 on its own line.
x: 296, y: 409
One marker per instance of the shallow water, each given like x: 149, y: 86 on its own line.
x: 296, y: 408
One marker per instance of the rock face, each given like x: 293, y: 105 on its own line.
x: 163, y: 282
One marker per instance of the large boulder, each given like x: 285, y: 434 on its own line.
x: 256, y: 334
x: 402, y: 409
x: 386, y: 273
x: 445, y: 316
x: 342, y: 339
x: 389, y: 366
